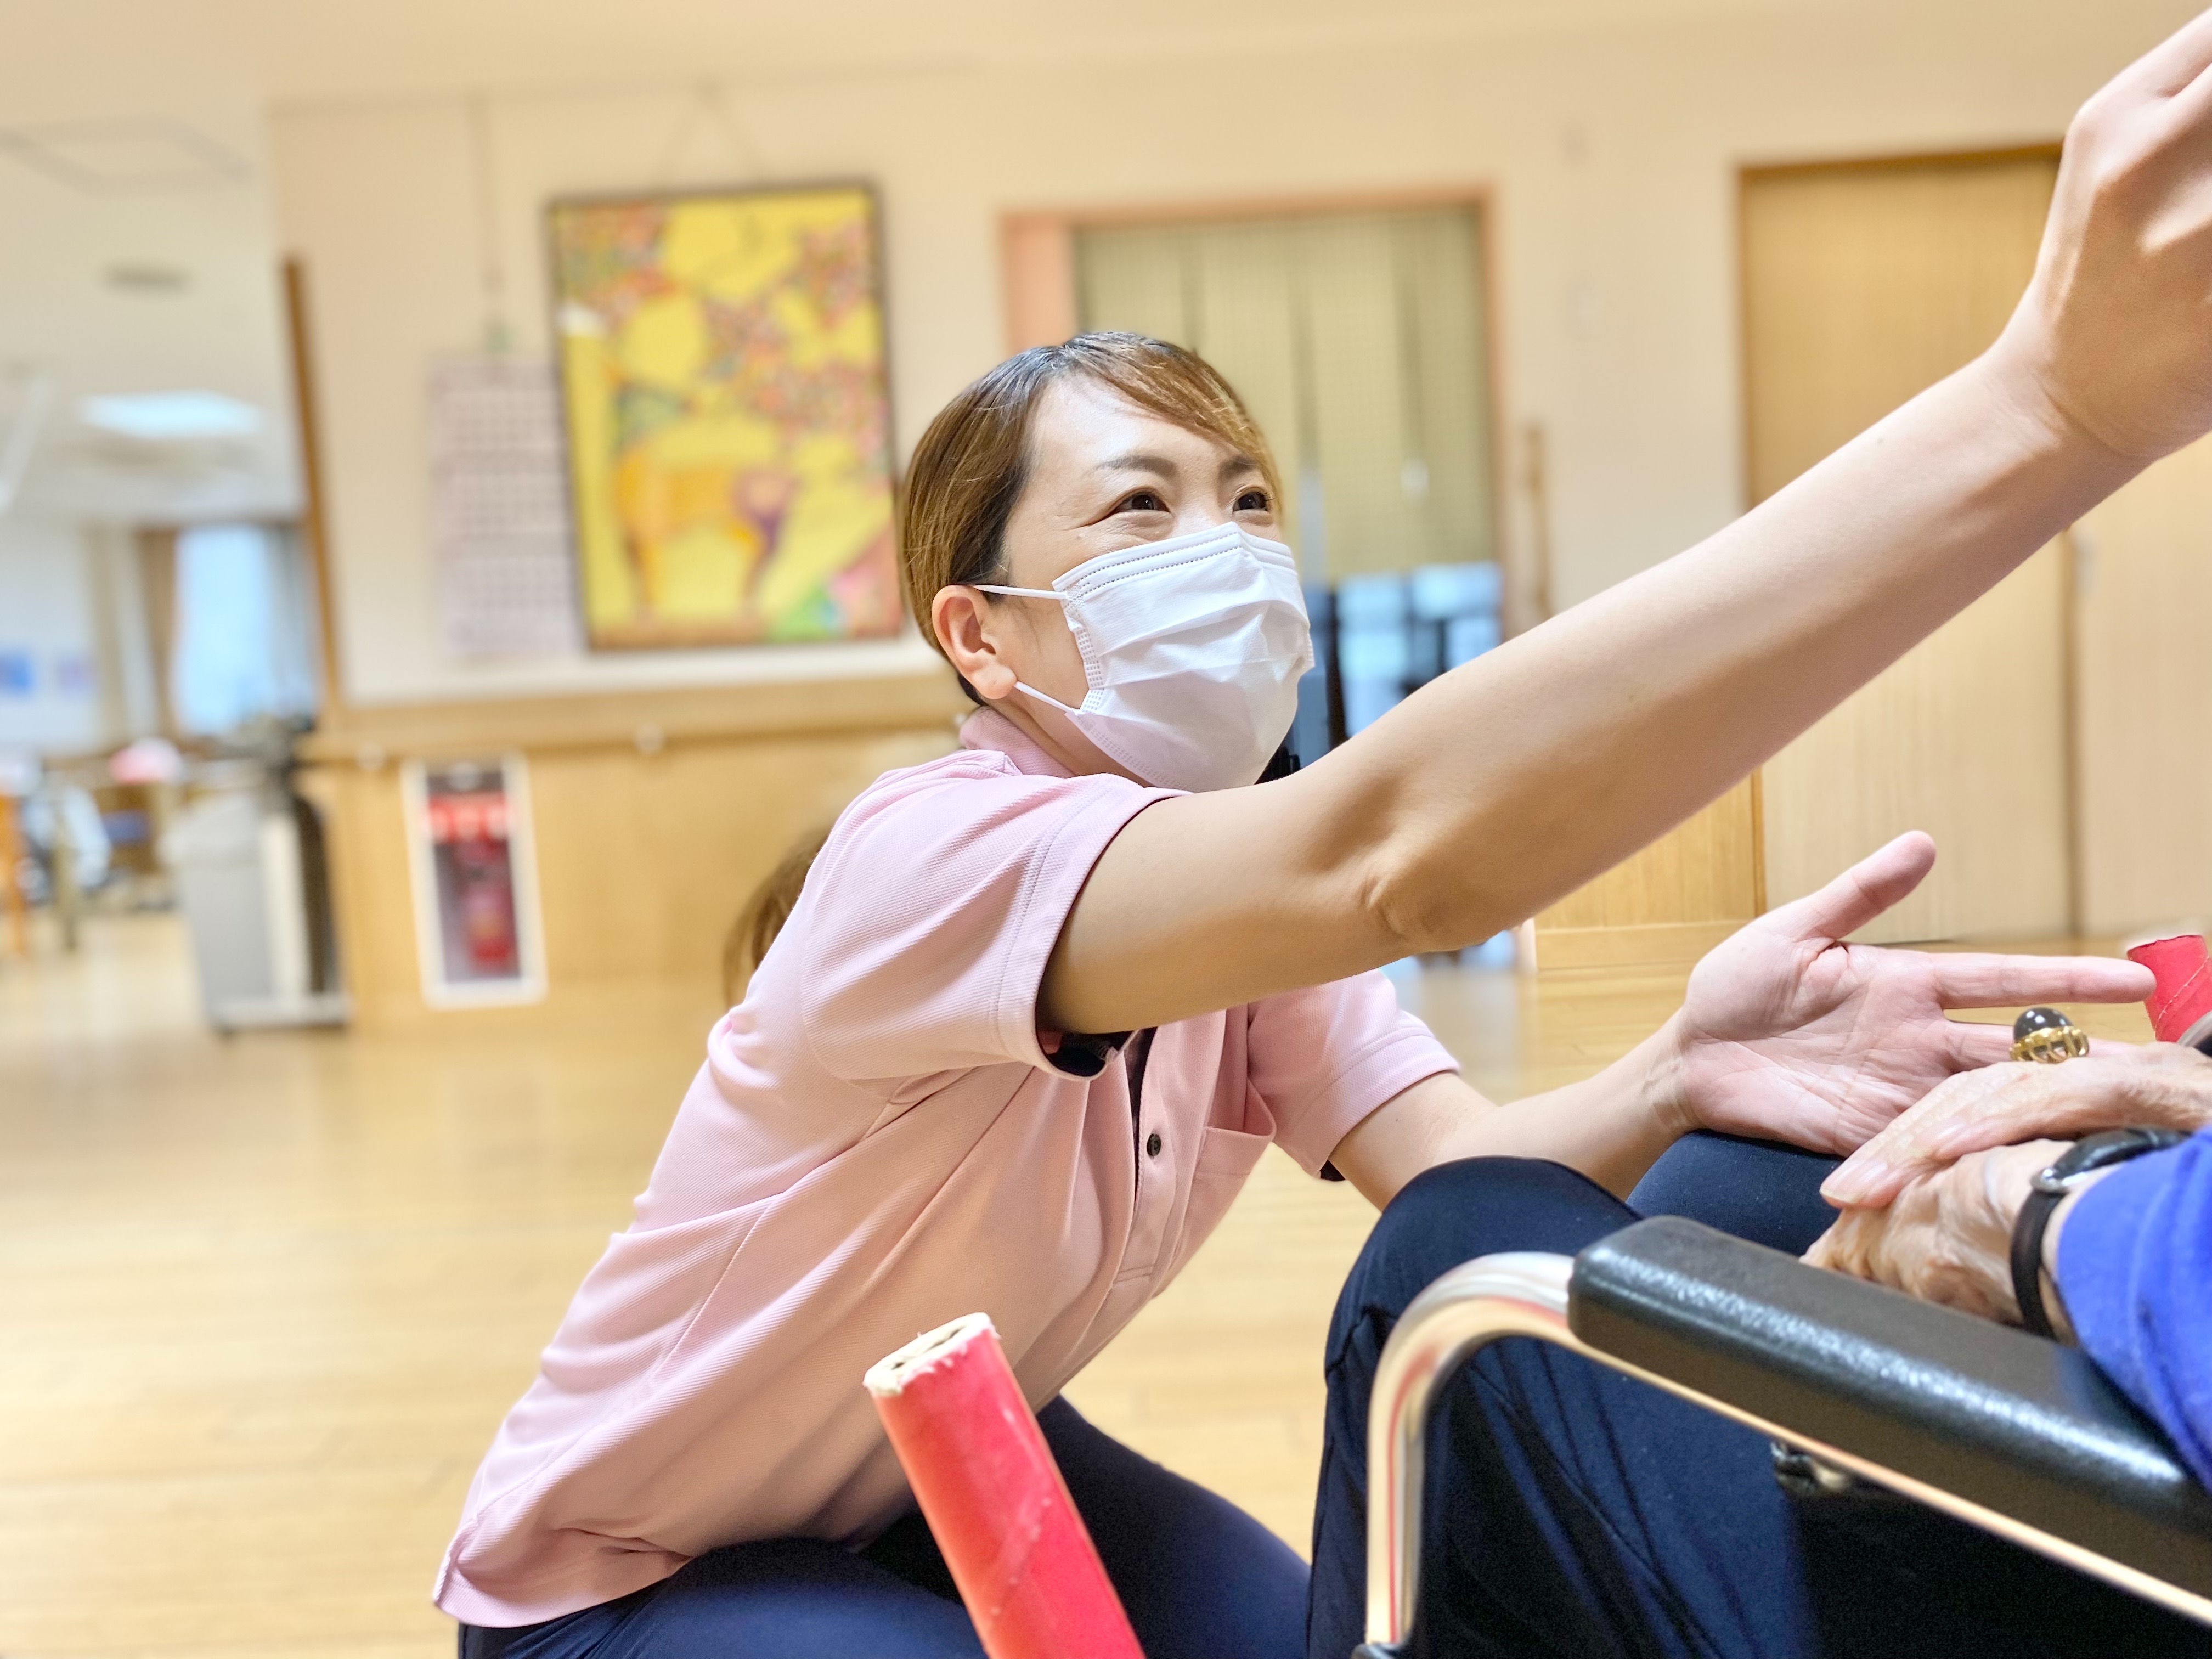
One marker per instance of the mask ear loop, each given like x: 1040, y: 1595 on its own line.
x: 1030, y: 594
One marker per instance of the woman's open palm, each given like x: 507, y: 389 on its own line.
x: 1791, y: 1034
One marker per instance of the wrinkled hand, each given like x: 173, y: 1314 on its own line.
x: 1787, y: 1033
x: 2157, y: 1086
x: 1947, y: 1237
x: 2110, y: 332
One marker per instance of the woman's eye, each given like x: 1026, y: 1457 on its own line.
x: 1144, y: 500
x: 1254, y: 500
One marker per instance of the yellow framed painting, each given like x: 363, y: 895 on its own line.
x: 726, y: 400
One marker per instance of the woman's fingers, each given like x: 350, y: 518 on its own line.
x: 2174, y: 63
x: 2111, y: 329
x: 1970, y: 1044
x: 2185, y: 119
x: 1972, y: 980
x: 1862, y: 892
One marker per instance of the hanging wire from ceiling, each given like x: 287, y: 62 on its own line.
x: 492, y: 269
x: 708, y: 106
x: 705, y: 107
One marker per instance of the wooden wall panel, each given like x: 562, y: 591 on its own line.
x: 2144, y: 625
x: 1862, y: 285
x: 643, y: 858
x: 1671, y: 903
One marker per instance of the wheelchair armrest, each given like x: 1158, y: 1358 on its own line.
x: 2027, y: 1430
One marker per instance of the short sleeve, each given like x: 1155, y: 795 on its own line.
x: 929, y: 916
x: 1324, y: 1058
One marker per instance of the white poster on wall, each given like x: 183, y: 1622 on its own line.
x: 499, y: 510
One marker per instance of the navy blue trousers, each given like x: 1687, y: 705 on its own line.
x: 1201, y: 1580
x: 1573, y: 1512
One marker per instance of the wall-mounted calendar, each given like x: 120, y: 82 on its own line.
x: 499, y: 510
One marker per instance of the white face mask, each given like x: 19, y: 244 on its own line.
x: 1192, y: 650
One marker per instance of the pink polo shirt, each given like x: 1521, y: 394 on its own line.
x: 878, y: 1142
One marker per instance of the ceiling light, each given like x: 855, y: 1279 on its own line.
x: 112, y: 157
x: 158, y: 415
x: 144, y: 276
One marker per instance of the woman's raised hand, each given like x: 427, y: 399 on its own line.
x: 1787, y: 1033
x: 2115, y: 331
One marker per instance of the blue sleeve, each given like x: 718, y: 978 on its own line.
x: 2135, y: 1267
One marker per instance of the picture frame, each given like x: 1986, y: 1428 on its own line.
x: 725, y: 411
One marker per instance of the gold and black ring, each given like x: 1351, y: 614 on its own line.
x: 2047, y: 1037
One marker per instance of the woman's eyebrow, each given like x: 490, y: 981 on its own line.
x: 1139, y: 460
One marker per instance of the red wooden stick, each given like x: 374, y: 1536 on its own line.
x: 995, y: 1499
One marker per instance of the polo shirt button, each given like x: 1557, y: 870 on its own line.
x: 1152, y: 1145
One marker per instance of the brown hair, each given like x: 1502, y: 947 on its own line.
x: 765, y: 913
x: 968, y: 469
x: 967, y: 473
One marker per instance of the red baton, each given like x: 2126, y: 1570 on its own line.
x: 2181, y: 1005
x: 995, y: 1499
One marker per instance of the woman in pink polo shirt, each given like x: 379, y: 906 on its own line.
x: 1040, y: 1004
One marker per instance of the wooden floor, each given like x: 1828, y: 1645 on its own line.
x: 263, y: 1301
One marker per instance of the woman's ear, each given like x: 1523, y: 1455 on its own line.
x: 967, y: 631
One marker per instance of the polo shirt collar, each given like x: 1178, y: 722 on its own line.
x: 987, y: 728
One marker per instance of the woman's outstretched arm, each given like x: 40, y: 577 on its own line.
x: 1508, y: 783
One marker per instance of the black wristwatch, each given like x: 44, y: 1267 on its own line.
x: 2087, y: 1155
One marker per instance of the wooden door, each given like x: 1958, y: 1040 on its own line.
x: 1862, y: 285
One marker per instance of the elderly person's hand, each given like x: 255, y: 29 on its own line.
x: 1948, y: 1236
x: 2157, y: 1085
x: 1788, y: 1032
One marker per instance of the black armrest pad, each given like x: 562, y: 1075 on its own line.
x: 2019, y: 1425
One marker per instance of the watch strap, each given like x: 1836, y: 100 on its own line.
x: 2052, y: 1188
x: 2028, y: 1232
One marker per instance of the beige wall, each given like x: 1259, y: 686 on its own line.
x: 1613, y: 155
x: 644, y: 859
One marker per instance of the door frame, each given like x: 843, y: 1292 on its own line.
x: 1036, y: 265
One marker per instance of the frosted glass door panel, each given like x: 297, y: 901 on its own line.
x: 1247, y: 312
x: 1358, y: 341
